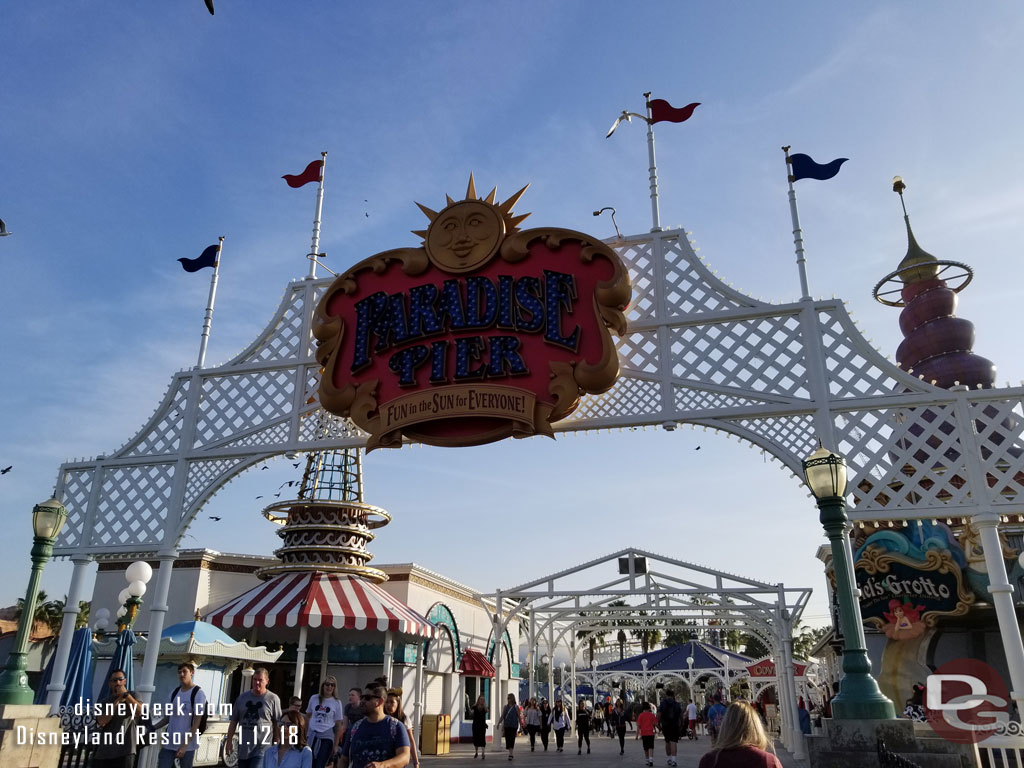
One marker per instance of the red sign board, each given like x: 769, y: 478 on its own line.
x: 484, y: 332
x: 766, y: 668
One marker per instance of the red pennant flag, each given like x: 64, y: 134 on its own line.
x: 662, y: 111
x: 312, y: 173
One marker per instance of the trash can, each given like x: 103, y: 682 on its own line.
x: 436, y: 736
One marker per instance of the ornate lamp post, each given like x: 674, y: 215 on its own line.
x: 859, y: 697
x: 643, y: 663
x: 47, y: 520
x: 689, y: 677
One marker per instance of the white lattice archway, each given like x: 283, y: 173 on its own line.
x: 781, y: 376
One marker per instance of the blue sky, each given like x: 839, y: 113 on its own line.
x: 134, y: 135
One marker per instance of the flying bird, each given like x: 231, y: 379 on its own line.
x: 296, y: 464
x: 5, y: 470
x: 3, y: 229
x: 209, y: 6
x: 628, y: 117
x: 214, y: 517
x: 697, y: 448
x: 264, y: 467
x: 259, y: 497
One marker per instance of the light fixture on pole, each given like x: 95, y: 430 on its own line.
x: 643, y: 663
x: 689, y: 676
x: 137, y: 575
x: 859, y: 697
x: 48, y: 519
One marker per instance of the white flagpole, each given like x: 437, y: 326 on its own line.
x: 655, y: 215
x: 208, y: 319
x: 315, y: 251
x: 798, y: 238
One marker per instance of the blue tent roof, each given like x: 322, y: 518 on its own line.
x: 674, y: 658
x: 204, y: 633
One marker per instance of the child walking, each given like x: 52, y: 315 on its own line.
x: 646, y: 722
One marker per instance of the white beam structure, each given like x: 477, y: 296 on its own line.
x: 698, y: 352
x: 655, y: 590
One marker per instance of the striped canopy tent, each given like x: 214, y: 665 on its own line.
x: 316, y: 599
x: 328, y: 601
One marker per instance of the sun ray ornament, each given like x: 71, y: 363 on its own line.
x: 483, y: 332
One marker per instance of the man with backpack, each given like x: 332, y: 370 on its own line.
x: 185, y: 721
x: 377, y: 740
x: 669, y: 715
x: 715, y: 715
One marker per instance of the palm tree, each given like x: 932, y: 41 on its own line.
x: 620, y: 635
x: 51, y: 612
x: 594, y: 636
x: 649, y: 635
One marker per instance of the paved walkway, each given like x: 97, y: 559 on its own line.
x: 604, y: 754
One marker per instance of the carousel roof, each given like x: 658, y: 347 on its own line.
x: 674, y: 658
x: 316, y: 599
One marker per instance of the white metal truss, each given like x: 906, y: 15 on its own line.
x: 565, y: 607
x: 778, y: 375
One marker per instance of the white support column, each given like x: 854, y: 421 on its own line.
x: 572, y: 674
x: 530, y: 656
x: 987, y: 522
x: 417, y: 718
x: 782, y: 691
x: 300, y: 661
x: 551, y: 664
x: 67, y: 630
x: 788, y: 675
x: 157, y: 614
x: 324, y: 655
x: 389, y: 653
x: 496, y: 702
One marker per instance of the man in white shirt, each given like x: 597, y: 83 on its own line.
x: 187, y: 705
x: 691, y: 716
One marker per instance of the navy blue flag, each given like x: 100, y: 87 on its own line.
x: 805, y: 168
x: 207, y: 258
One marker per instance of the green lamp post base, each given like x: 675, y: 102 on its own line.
x: 14, y: 688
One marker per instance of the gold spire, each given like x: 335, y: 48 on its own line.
x: 918, y: 265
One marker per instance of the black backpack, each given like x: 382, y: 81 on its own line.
x: 205, y: 719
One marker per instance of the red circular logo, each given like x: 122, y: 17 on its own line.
x: 966, y: 701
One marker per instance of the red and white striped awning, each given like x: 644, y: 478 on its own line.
x: 314, y: 599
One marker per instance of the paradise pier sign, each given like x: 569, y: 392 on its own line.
x: 482, y: 333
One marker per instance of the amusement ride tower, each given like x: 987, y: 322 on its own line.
x: 327, y: 527
x: 937, y: 345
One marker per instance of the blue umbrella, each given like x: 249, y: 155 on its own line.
x: 77, y: 677
x: 123, y: 658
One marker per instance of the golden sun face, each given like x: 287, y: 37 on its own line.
x: 464, y: 236
x: 467, y: 234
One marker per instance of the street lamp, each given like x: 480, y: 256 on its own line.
x: 643, y: 663
x: 859, y: 697
x: 137, y: 575
x: 689, y: 676
x: 47, y: 520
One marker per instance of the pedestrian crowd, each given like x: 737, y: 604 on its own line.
x: 370, y: 730
x: 737, y: 731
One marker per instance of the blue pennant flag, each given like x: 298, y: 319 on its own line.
x: 805, y: 168
x: 207, y: 258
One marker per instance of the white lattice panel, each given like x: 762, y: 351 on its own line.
x: 690, y: 287
x: 640, y: 258
x: 697, y: 351
x: 757, y: 356
x: 161, y: 435
x: 283, y: 338
x: 133, y: 505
